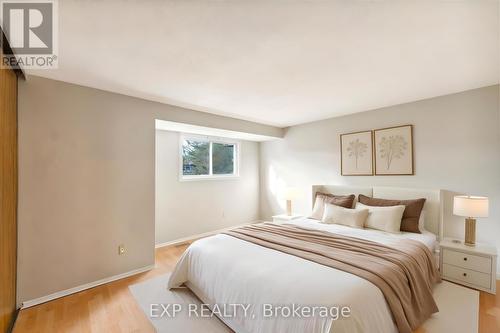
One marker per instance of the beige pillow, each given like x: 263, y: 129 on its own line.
x: 383, y: 218
x: 410, y: 220
x: 318, y: 208
x: 339, y: 215
x: 421, y: 222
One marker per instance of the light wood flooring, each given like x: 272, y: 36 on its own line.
x: 111, y: 307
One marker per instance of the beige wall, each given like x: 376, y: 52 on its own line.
x: 185, y: 208
x: 86, y: 182
x: 456, y: 142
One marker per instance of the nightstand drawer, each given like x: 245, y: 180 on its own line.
x: 466, y: 275
x: 465, y: 260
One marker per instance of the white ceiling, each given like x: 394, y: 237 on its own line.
x: 279, y: 62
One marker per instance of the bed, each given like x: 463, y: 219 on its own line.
x: 226, y: 270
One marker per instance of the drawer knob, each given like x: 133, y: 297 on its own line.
x: 465, y: 258
x: 465, y: 274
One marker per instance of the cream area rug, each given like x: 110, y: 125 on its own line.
x: 459, y: 309
x: 151, y: 293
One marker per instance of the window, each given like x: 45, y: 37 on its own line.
x: 206, y: 157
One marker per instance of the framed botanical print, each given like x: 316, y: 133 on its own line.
x: 356, y: 154
x: 394, y: 150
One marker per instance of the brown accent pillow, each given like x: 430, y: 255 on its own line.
x: 345, y: 201
x: 411, y: 215
x: 321, y: 199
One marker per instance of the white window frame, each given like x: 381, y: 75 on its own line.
x: 211, y: 140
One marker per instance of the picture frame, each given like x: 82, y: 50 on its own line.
x: 393, y: 151
x: 356, y: 154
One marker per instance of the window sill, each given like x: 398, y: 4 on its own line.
x: 201, y: 178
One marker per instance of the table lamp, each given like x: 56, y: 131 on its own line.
x: 470, y: 207
x: 290, y: 194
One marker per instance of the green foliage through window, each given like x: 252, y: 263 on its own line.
x: 222, y: 158
x: 196, y: 158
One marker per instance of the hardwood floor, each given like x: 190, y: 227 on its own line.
x: 106, y: 308
x: 111, y: 307
x: 489, y: 311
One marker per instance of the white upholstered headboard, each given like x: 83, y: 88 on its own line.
x: 433, y: 207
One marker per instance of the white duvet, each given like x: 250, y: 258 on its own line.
x: 225, y: 270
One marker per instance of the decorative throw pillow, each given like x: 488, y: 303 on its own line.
x: 339, y: 215
x: 411, y: 215
x: 383, y: 218
x: 345, y: 201
x: 421, y: 222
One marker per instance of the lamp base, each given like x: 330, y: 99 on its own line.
x: 470, y: 232
x: 289, y: 207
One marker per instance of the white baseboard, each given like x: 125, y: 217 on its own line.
x: 70, y: 291
x: 205, y: 234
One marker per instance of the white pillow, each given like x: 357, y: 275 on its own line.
x: 421, y: 222
x: 318, y: 208
x: 339, y: 215
x: 383, y: 218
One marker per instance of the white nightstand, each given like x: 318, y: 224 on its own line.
x: 472, y: 266
x: 285, y: 218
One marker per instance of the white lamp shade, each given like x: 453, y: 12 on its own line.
x: 470, y: 206
x: 290, y: 193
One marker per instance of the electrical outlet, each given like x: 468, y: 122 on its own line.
x: 121, y: 249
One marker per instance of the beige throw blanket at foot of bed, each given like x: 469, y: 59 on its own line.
x: 405, y: 273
